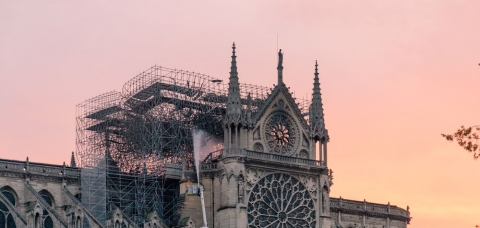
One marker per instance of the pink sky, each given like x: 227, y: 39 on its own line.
x: 394, y: 76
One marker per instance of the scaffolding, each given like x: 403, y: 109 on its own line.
x: 133, y: 144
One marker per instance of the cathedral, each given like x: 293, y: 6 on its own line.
x: 260, y: 161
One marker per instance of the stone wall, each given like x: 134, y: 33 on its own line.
x: 350, y: 213
x: 41, y: 187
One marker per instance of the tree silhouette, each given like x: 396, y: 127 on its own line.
x: 466, y: 138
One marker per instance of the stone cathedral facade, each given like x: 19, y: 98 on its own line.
x: 272, y: 172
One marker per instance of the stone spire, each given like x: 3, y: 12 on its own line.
x: 234, y: 104
x: 280, y: 67
x: 317, y: 121
x: 72, y: 161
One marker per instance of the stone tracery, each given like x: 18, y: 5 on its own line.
x: 280, y: 200
x: 280, y: 133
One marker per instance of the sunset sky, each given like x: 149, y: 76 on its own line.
x: 394, y: 76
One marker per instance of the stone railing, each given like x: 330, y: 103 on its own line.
x: 38, y: 168
x: 339, y: 204
x: 212, y: 156
x: 284, y: 159
x: 208, y: 164
x: 399, y: 211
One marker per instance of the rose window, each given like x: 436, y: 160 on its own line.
x: 280, y: 200
x: 280, y: 133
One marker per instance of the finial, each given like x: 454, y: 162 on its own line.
x: 234, y: 99
x: 233, y: 67
x: 280, y: 58
x: 280, y: 67
x: 72, y: 160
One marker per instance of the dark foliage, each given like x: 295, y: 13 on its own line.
x: 466, y: 138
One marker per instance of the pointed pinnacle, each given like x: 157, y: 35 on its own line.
x: 233, y: 48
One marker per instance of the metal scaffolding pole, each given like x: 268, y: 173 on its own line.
x: 126, y: 141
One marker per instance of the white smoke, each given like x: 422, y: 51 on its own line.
x: 204, y: 144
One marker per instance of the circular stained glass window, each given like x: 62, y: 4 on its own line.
x: 280, y: 133
x: 280, y: 200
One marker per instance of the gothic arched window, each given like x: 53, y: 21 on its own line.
x: 3, y: 220
x: 10, y: 194
x: 78, y: 222
x: 86, y: 223
x: 38, y: 220
x: 6, y: 218
x: 48, y: 222
x: 10, y: 222
x: 47, y: 197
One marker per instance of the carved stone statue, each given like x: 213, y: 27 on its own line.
x: 280, y: 58
x: 241, y: 189
x: 324, y: 200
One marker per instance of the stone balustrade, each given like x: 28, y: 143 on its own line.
x: 38, y: 168
x: 209, y: 166
x: 207, y: 163
x: 363, y: 207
